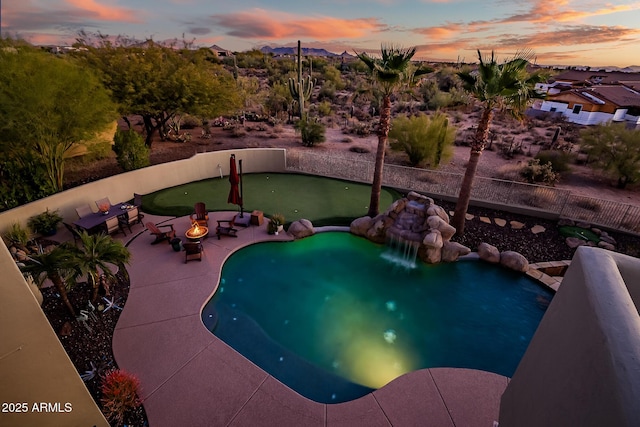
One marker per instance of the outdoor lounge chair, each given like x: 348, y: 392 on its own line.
x: 192, y: 251
x: 161, y: 235
x: 226, y: 230
x: 200, y: 215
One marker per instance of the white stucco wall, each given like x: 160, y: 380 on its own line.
x: 582, y: 367
x: 120, y: 188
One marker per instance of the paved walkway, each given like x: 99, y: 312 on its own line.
x: 190, y: 377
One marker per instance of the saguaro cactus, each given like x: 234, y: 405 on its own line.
x: 300, y: 88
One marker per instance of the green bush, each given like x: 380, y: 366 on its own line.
x: 311, y: 130
x: 324, y: 108
x: 131, y: 151
x: 423, y: 138
x: 536, y: 173
x: 559, y: 160
x: 97, y: 151
x: 190, y: 122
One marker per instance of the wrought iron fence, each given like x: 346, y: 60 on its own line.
x: 606, y: 213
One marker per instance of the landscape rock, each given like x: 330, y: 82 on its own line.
x: 437, y: 223
x: 514, y: 261
x: 566, y: 222
x: 451, y: 251
x: 359, y: 226
x: 301, y: 228
x: 433, y: 240
x: 608, y: 246
x: 438, y: 211
x: 607, y: 239
x: 488, y: 253
x: 574, y: 242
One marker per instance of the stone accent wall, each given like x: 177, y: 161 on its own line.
x: 415, y: 218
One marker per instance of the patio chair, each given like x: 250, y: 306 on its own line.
x: 200, y: 215
x: 102, y: 203
x: 75, y: 233
x: 83, y: 210
x: 161, y: 235
x: 131, y: 217
x: 137, y: 200
x: 113, y: 226
x: 192, y: 251
x: 226, y: 230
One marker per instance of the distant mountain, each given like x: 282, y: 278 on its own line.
x: 308, y: 51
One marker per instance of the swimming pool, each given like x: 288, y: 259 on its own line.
x: 327, y: 316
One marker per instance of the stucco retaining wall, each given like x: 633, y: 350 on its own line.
x: 582, y: 367
x: 121, y: 187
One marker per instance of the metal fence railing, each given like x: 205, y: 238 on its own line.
x: 605, y: 213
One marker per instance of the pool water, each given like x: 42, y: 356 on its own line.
x: 329, y: 317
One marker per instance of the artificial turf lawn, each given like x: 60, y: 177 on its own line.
x: 321, y: 200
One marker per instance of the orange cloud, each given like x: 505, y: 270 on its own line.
x: 104, y: 13
x: 262, y: 24
x: 544, y: 11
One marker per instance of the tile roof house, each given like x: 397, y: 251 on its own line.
x: 597, y: 104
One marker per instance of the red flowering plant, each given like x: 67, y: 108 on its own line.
x: 119, y: 394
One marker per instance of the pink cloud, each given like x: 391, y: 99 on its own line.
x: 102, y: 12
x: 268, y: 25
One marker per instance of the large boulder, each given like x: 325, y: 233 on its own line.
x: 514, y: 261
x: 437, y: 223
x: 438, y: 211
x: 488, y: 253
x: 301, y: 228
x: 360, y: 226
x: 433, y: 240
x: 451, y: 251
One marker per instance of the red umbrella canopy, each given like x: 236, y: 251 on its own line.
x: 234, y: 179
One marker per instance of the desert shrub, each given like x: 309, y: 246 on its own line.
x: 22, y: 180
x: 190, y: 122
x: 536, y: 173
x: 119, y: 395
x: 324, y: 108
x: 509, y: 171
x: 327, y: 92
x: 559, y: 160
x: 97, y: 151
x: 238, y: 132
x: 423, y: 138
x: 311, y: 131
x: 131, y: 151
x: 360, y: 150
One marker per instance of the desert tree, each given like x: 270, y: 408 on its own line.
x: 158, y: 82
x: 615, y: 149
x: 49, y: 103
x: 506, y: 87
x: 389, y: 72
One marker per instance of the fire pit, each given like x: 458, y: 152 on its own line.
x: 196, y: 232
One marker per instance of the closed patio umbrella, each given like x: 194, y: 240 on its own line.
x: 234, y: 180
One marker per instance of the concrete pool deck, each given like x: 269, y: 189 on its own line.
x: 191, y: 377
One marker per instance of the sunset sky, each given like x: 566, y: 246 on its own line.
x: 560, y: 32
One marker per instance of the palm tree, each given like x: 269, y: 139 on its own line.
x: 506, y: 87
x: 390, y: 71
x: 97, y: 252
x: 58, y: 266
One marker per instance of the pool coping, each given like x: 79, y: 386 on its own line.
x: 191, y: 377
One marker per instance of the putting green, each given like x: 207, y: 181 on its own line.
x: 321, y: 200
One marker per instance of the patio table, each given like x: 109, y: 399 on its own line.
x: 96, y: 219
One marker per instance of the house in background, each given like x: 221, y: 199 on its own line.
x: 595, y: 105
x: 592, y: 97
